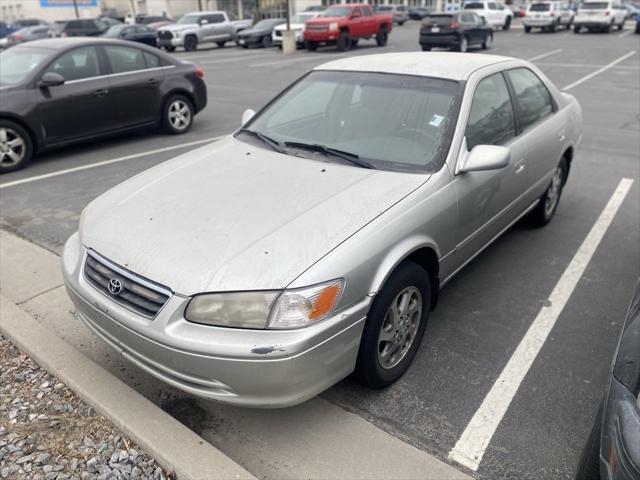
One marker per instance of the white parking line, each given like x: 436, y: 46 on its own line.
x: 624, y: 34
x: 544, y: 55
x: 599, y: 71
x: 106, y: 162
x: 234, y: 58
x: 473, y: 442
x: 305, y: 58
x: 584, y: 65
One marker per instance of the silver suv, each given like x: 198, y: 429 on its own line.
x: 201, y: 27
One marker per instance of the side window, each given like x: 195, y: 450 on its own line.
x: 125, y: 59
x: 356, y: 11
x: 215, y: 18
x: 152, y: 61
x: 533, y: 100
x: 77, y: 64
x: 492, y: 6
x: 491, y: 119
x: 367, y: 11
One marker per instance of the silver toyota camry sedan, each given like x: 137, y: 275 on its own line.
x: 311, y: 244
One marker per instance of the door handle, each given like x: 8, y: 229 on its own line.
x: 561, y: 137
x: 519, y: 169
x: 152, y: 82
x: 102, y: 92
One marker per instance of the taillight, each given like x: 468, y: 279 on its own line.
x: 552, y: 14
x: 17, y: 38
x: 607, y: 13
x: 454, y: 24
x: 199, y: 72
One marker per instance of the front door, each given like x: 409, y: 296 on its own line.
x: 489, y: 200
x: 135, y: 85
x: 80, y: 107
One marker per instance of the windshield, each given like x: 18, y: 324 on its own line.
x: 114, y: 31
x: 301, y: 18
x: 336, y: 12
x: 539, y: 7
x: 189, y: 19
x: 263, y: 24
x: 17, y: 63
x: 393, y: 122
x: 594, y: 6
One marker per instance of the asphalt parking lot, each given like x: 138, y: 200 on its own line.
x: 483, y: 313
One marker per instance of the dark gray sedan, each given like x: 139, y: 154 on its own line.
x: 28, y: 34
x: 260, y: 34
x: 613, y: 447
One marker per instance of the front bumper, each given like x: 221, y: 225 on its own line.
x: 257, y: 368
x: 170, y: 42
x: 254, y: 41
x: 277, y: 39
x: 620, y: 433
x: 327, y: 36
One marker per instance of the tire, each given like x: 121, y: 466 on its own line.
x: 374, y: 369
x: 16, y: 147
x: 576, y: 29
x: 400, y: 23
x: 190, y: 43
x: 487, y: 42
x: 543, y: 213
x: 589, y: 463
x: 637, y: 30
x: 382, y: 37
x: 311, y: 46
x: 621, y: 26
x: 354, y: 42
x: 344, y: 42
x: 507, y: 24
x: 220, y: 44
x: 426, y: 48
x: 464, y: 45
x: 608, y: 28
x: 181, y: 104
x: 267, y: 41
x: 527, y: 29
x: 553, y: 28
x: 170, y: 48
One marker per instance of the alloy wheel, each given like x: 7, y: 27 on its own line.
x: 179, y: 115
x: 553, y: 193
x: 399, y: 327
x: 12, y: 147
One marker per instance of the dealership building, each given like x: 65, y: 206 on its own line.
x: 51, y: 10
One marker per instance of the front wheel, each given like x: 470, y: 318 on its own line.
x: 178, y: 114
x: 576, y: 29
x: 527, y: 29
x: 543, y: 213
x: 507, y: 24
x: 220, y: 44
x: 16, y: 147
x: 311, y: 46
x: 267, y: 41
x: 382, y: 37
x: 487, y: 42
x: 190, y: 43
x: 426, y: 48
x: 170, y: 48
x: 344, y: 42
x: 395, y: 326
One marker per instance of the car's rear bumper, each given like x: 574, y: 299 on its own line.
x: 620, y: 435
x: 436, y: 40
x: 259, y: 368
x: 591, y: 22
x: 539, y: 22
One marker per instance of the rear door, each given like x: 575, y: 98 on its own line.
x: 207, y: 28
x: 135, y: 79
x: 220, y: 27
x: 469, y: 27
x: 541, y: 127
x: 80, y: 107
x: 357, y: 23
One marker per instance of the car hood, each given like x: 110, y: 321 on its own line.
x: 232, y: 216
x: 323, y: 20
x: 179, y: 28
x: 254, y: 31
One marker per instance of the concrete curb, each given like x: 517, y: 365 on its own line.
x: 174, y: 446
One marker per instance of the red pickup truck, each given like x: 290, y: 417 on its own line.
x: 344, y: 25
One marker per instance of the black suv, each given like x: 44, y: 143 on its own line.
x: 456, y: 31
x: 87, y: 27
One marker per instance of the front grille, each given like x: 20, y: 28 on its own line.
x: 317, y: 28
x: 278, y: 33
x: 164, y: 35
x: 126, y: 288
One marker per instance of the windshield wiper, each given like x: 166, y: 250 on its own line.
x: 276, y: 145
x: 348, y: 156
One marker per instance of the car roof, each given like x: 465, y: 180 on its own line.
x: 67, y: 42
x: 448, y: 65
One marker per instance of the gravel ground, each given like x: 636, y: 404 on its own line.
x: 47, y: 432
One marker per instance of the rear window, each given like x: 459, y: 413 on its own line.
x: 595, y: 6
x: 474, y: 6
x: 539, y: 7
x: 443, y: 20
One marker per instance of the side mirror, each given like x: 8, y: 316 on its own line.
x: 247, y: 115
x: 204, y: 21
x: 485, y: 157
x: 51, y: 79
x: 355, y: 15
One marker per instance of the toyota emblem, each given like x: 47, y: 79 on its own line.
x: 115, y: 286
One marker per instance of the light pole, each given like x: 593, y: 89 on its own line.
x: 75, y: 8
x: 288, y: 36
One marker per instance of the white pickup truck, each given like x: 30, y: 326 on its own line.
x: 201, y: 27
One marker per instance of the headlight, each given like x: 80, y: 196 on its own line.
x: 268, y: 309
x: 305, y: 306
x: 333, y: 26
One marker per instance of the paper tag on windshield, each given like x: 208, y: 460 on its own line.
x: 436, y: 120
